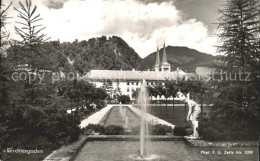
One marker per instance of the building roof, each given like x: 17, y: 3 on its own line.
x: 164, y: 57
x: 157, y: 61
x: 131, y: 75
x: 164, y: 61
x: 204, y: 70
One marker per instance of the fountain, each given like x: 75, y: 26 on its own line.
x: 120, y: 110
x: 138, y: 151
x: 124, y: 114
x: 126, y: 122
x: 143, y: 100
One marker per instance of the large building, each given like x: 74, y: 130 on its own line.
x: 129, y: 81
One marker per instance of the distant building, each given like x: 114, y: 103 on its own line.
x: 204, y: 71
x: 129, y: 81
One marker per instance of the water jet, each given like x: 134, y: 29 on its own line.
x: 143, y: 100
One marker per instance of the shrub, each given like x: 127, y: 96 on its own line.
x: 3, y: 136
x: 217, y: 128
x: 93, y: 128
x: 100, y: 104
x: 114, y: 130
x: 183, y: 130
x: 124, y: 99
x: 156, y: 129
x: 160, y: 129
x: 135, y: 130
x: 179, y: 131
x: 59, y: 127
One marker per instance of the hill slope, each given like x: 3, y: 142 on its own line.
x: 111, y: 53
x: 183, y: 57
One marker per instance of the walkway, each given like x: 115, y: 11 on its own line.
x: 96, y: 117
x: 115, y: 118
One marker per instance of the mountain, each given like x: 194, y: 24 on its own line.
x: 111, y: 53
x: 185, y: 58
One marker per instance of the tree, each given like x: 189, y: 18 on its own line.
x: 239, y: 34
x: 4, y: 81
x: 30, y: 50
x: 108, y: 87
x: 166, y: 93
x: 30, y: 30
x: 236, y: 106
x: 40, y: 122
x: 202, y: 89
x: 124, y: 99
x: 135, y: 93
x: 152, y: 91
x: 4, y: 33
x: 117, y: 92
x: 172, y: 89
x: 158, y: 90
x: 3, y: 71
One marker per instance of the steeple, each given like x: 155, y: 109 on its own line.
x: 165, y: 66
x: 164, y: 58
x: 157, y: 61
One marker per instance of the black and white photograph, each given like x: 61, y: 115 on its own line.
x: 129, y: 80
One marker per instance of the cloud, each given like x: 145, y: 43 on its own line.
x: 142, y: 25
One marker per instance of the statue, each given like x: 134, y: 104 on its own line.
x: 193, y: 114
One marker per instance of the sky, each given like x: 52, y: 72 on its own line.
x: 143, y: 24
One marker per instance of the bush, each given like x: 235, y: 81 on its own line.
x: 221, y: 129
x: 3, y: 136
x: 124, y: 99
x: 156, y: 129
x: 135, y: 130
x: 159, y: 129
x: 93, y: 128
x: 179, y: 131
x: 183, y: 130
x: 100, y: 104
x: 59, y: 128
x: 114, y: 130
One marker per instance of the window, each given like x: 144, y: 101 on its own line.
x: 128, y: 90
x: 166, y: 69
x: 128, y: 83
x: 132, y: 83
x: 137, y: 83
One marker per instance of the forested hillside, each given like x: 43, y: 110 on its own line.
x: 101, y: 53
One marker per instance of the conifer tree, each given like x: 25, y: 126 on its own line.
x: 4, y: 82
x: 237, y: 104
x: 30, y: 30
x: 29, y: 51
x: 239, y: 28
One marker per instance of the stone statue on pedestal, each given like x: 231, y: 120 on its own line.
x: 193, y: 113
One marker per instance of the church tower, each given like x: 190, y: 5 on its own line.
x: 157, y: 61
x: 165, y: 66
